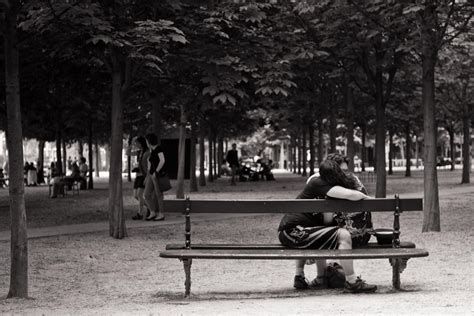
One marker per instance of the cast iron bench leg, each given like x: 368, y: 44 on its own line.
x: 396, y: 273
x: 187, y: 270
x: 398, y: 266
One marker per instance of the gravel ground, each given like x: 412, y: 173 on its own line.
x: 94, y: 274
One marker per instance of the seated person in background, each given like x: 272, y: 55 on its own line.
x: 26, y: 167
x: 83, y: 169
x: 225, y: 169
x: 74, y: 176
x: 2, y: 179
x: 56, y: 181
x: 265, y: 171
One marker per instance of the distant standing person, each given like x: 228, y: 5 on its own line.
x: 83, y: 169
x: 156, y: 166
x: 233, y: 160
x: 143, y: 153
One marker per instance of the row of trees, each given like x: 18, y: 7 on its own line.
x: 96, y: 70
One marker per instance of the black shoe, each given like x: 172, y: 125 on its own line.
x: 300, y: 283
x: 359, y: 286
x: 137, y: 217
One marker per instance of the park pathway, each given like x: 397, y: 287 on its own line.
x: 104, y: 226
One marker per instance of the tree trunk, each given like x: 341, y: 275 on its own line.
x: 181, y: 153
x: 299, y: 154
x: 156, y: 115
x: 90, y: 182
x: 193, y: 187
x: 320, y: 141
x: 332, y: 129
x: 80, y: 149
x: 431, y: 214
x: 214, y: 158
x: 107, y: 157
x: 202, y: 165
x: 18, y: 225
x: 304, y: 153
x: 210, y: 176
x: 41, y: 154
x: 116, y: 216
x: 129, y: 160
x: 63, y: 145
x: 466, y: 157
x: 381, y: 185
x: 59, y: 164
x: 363, y: 153
x: 220, y: 154
x: 311, y: 148
x: 417, y: 155
x: 452, y: 148
x: 390, y: 151
x: 408, y: 150
x: 350, y: 127
x: 97, y: 158
x: 293, y: 158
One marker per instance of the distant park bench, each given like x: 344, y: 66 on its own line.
x: 398, y: 252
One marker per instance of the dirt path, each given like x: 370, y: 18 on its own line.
x: 94, y: 274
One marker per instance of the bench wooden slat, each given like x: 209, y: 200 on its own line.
x: 372, y: 245
x: 292, y: 205
x: 291, y: 254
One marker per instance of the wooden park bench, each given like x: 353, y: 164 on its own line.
x: 398, y: 252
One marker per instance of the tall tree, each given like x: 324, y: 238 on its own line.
x: 19, y: 238
x: 438, y: 23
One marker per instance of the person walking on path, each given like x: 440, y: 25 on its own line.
x: 233, y: 160
x: 156, y: 166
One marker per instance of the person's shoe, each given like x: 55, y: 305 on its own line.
x: 359, y: 286
x: 300, y: 283
x: 318, y: 283
x: 137, y: 217
x: 151, y: 217
x: 157, y: 219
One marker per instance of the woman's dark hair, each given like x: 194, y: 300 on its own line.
x: 331, y: 173
x: 340, y: 159
x: 152, y: 139
x: 142, y: 141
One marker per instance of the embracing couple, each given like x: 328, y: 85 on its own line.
x: 329, y: 230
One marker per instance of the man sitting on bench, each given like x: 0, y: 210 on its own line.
x: 325, y: 231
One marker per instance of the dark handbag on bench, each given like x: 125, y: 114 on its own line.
x: 163, y: 182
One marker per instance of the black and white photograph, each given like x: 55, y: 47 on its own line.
x: 236, y: 157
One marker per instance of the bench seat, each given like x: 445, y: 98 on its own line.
x: 292, y: 254
x: 403, y: 244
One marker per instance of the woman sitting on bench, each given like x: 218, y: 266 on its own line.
x: 325, y: 230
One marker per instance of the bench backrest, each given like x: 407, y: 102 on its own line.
x: 292, y: 205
